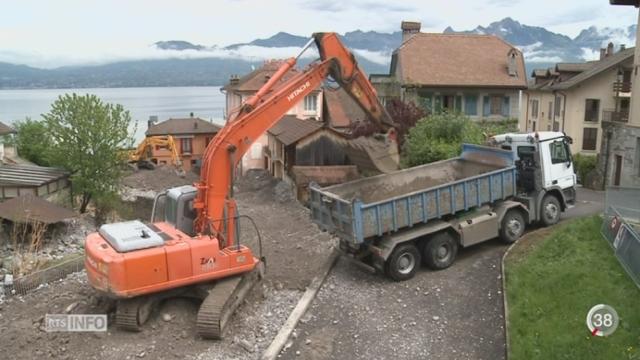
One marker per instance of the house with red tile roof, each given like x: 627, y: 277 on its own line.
x: 192, y: 135
x: 240, y: 89
x: 478, y: 75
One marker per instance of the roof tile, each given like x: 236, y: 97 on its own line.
x: 458, y: 60
x: 184, y: 126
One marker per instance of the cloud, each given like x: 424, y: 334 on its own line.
x: 358, y: 5
x: 575, y: 15
x: 251, y: 53
x: 503, y: 3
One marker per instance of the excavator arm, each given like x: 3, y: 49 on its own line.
x: 214, y: 202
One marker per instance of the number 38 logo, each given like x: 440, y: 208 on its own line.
x: 602, y: 320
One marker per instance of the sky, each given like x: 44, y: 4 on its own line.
x: 48, y: 33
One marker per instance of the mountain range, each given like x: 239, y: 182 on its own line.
x: 182, y: 63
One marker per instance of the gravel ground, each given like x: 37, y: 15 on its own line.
x: 456, y: 313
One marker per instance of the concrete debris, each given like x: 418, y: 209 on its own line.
x: 70, y: 308
x: 167, y: 317
x: 245, y: 344
x: 283, y: 192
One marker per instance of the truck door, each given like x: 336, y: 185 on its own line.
x: 557, y: 166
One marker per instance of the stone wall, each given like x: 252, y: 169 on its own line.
x: 623, y: 140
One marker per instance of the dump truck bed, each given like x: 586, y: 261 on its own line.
x: 386, y: 203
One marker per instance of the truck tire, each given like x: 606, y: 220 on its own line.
x: 440, y: 251
x: 512, y: 226
x: 403, y: 262
x: 550, y: 210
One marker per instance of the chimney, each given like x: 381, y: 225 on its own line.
x: 622, y: 47
x: 610, y: 49
x: 603, y: 53
x: 409, y: 28
x: 511, y: 62
x: 153, y: 119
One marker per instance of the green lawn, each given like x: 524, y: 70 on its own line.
x: 552, y: 283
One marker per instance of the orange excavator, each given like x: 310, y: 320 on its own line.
x: 194, y: 250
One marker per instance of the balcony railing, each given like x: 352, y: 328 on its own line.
x: 612, y: 115
x: 622, y: 86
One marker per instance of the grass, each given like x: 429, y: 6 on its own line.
x: 553, y: 282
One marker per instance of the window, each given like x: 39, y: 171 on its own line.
x: 534, y: 126
x: 425, y: 100
x: 526, y: 151
x: 185, y: 146
x: 589, y: 138
x: 496, y: 105
x: 558, y: 152
x: 534, y: 109
x: 556, y: 110
x: 550, y: 110
x: 591, y: 109
x: 471, y: 104
x: 311, y: 103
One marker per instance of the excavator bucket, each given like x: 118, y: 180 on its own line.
x: 377, y: 153
x: 374, y: 154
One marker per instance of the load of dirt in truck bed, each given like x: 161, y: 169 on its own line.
x: 386, y: 186
x: 294, y: 249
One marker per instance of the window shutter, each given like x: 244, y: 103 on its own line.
x: 459, y: 103
x: 486, y: 107
x: 505, y: 106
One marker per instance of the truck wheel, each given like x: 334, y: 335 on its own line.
x: 403, y: 262
x: 550, y: 210
x: 512, y: 226
x: 440, y: 251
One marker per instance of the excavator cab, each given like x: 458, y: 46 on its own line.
x: 178, y: 208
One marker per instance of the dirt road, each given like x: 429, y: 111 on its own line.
x: 456, y: 313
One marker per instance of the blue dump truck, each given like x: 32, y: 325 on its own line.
x: 394, y: 222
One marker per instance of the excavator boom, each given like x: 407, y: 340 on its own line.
x: 263, y: 110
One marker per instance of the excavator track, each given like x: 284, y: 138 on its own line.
x: 128, y: 313
x: 221, y: 302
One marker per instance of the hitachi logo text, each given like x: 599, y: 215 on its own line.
x: 297, y: 91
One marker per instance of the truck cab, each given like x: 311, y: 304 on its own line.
x: 545, y: 176
x: 547, y: 150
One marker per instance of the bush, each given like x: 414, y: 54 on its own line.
x: 491, y: 128
x: 583, y: 165
x: 440, y: 137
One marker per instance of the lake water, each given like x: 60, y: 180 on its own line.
x: 164, y: 102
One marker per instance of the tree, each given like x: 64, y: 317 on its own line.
x: 87, y: 135
x: 440, y: 137
x: 33, y: 141
x: 404, y: 115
